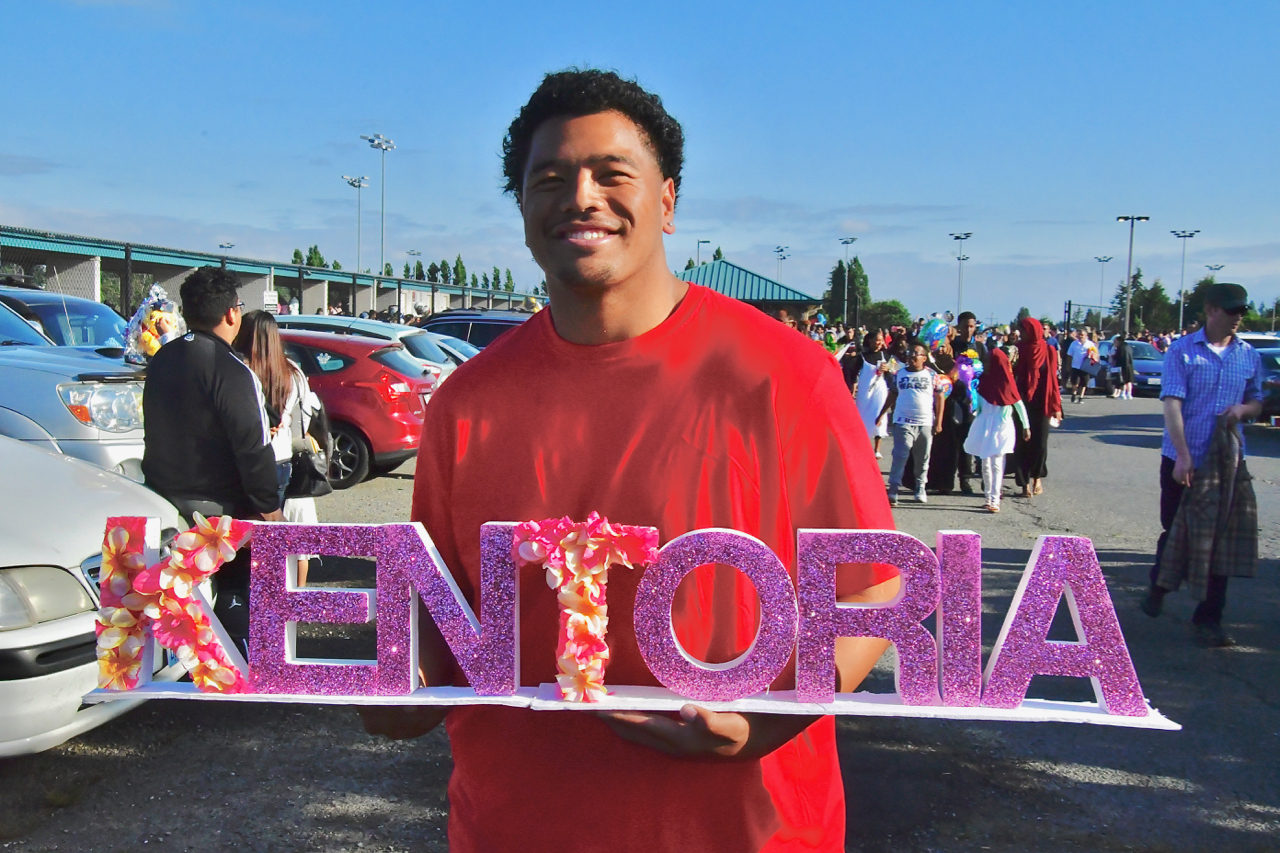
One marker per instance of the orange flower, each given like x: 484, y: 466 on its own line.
x: 581, y: 683
x: 209, y: 544
x: 120, y: 667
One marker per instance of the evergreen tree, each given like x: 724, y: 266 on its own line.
x: 336, y: 266
x: 314, y: 258
x: 484, y: 280
x: 718, y: 256
x: 1023, y: 313
x: 433, y: 272
x: 497, y: 278
x: 387, y: 270
x: 445, y: 272
x: 459, y: 272
x: 833, y: 304
x: 418, y: 272
x: 510, y: 284
x: 298, y: 259
x: 883, y: 315
x: 408, y: 271
x: 690, y: 265
x: 474, y: 282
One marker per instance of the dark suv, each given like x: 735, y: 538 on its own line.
x: 476, y: 327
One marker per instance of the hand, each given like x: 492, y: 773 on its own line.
x: 401, y: 722
x: 164, y: 325
x: 702, y: 733
x: 1182, y: 470
x: 1237, y: 413
x: 1058, y: 415
x: 274, y: 515
x: 937, y: 428
x: 1026, y: 435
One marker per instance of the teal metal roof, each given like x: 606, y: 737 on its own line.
x: 740, y: 283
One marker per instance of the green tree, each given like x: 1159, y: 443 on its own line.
x: 314, y: 258
x: 1023, y: 313
x: 474, y: 281
x: 718, y: 256
x: 408, y: 270
x: 433, y: 272
x: 336, y: 266
x: 510, y: 284
x: 883, y: 315
x: 690, y: 265
x: 387, y: 270
x: 418, y: 272
x: 833, y: 304
x: 445, y: 272
x: 459, y: 272
x: 484, y: 280
x: 298, y: 259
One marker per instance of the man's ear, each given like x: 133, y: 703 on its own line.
x: 669, y: 206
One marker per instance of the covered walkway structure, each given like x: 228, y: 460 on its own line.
x: 741, y: 283
x: 74, y: 265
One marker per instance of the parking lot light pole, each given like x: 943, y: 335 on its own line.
x: 384, y: 145
x: 1128, y: 276
x: 1184, y: 236
x: 847, y: 242
x: 961, y: 257
x: 698, y: 251
x: 358, y: 184
x: 781, y: 252
x: 1102, y: 287
x: 225, y: 247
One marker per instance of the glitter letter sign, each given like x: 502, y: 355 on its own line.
x: 146, y: 599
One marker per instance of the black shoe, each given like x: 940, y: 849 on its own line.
x: 965, y: 488
x: 1211, y: 636
x: 1152, y: 604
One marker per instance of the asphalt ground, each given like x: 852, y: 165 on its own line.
x: 206, y: 776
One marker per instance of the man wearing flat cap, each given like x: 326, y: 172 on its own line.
x: 1208, y: 374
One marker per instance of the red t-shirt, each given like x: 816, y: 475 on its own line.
x: 719, y: 417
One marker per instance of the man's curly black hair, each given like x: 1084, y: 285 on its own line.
x: 586, y: 91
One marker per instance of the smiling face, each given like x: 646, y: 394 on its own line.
x: 595, y: 202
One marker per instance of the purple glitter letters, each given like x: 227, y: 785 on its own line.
x: 822, y: 619
x: 756, y: 668
x: 278, y: 606
x: 959, y: 625
x: 1063, y: 565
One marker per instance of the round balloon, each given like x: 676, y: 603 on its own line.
x: 934, y: 332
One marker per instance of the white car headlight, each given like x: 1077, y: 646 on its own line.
x: 33, y: 594
x: 113, y: 407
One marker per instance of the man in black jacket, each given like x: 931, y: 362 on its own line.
x: 207, y: 440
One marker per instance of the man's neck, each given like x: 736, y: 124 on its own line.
x: 594, y: 316
x: 222, y: 332
x: 1218, y: 337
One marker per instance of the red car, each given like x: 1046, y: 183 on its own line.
x: 375, y: 393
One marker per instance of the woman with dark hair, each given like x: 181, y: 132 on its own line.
x: 872, y: 389
x: 288, y: 401
x: 1037, y: 378
x: 992, y: 434
x: 948, y: 459
x: 1122, y: 358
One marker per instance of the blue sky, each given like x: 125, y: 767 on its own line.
x: 1031, y: 125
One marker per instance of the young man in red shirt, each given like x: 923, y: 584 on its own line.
x: 653, y: 402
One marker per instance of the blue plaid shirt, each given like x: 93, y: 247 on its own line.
x: 1207, y: 384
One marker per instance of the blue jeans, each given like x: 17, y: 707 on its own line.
x: 284, y: 473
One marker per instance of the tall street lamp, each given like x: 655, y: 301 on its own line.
x: 225, y: 247
x: 384, y: 145
x: 359, y: 184
x: 412, y: 253
x: 698, y: 251
x: 1184, y: 236
x: 847, y: 242
x: 1213, y: 268
x: 1128, y: 276
x: 781, y: 252
x: 1102, y: 286
x: 961, y: 257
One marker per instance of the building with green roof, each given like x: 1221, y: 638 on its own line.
x: 740, y: 283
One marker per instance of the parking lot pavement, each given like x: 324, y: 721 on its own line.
x: 215, y: 776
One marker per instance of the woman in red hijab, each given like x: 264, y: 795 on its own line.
x: 992, y: 434
x: 1037, y: 378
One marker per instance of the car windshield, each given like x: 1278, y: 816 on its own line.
x: 483, y: 334
x: 399, y: 360
x: 1271, y: 360
x: 15, y: 331
x: 421, y: 345
x: 73, y: 323
x: 1141, y: 349
x: 465, y: 349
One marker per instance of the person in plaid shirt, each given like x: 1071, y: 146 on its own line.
x: 1208, y: 373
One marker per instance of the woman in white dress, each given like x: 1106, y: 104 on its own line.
x: 872, y: 389
x: 992, y: 434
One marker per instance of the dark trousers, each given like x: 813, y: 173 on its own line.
x: 1209, y: 611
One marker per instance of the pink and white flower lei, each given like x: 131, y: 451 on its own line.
x: 577, y: 556
x: 135, y: 597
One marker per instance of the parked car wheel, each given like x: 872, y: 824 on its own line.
x: 349, y: 463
